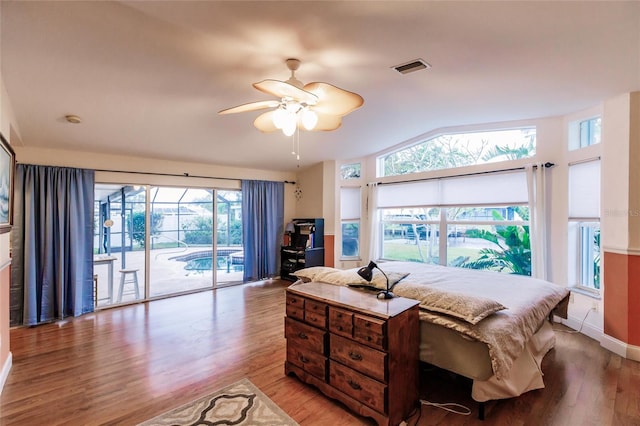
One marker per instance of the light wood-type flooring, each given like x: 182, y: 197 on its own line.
x: 125, y: 365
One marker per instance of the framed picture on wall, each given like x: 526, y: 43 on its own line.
x: 7, y: 170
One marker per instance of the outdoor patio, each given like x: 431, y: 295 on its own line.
x: 168, y: 273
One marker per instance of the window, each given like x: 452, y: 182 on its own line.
x: 481, y: 237
x: 350, y: 201
x: 584, y: 225
x: 460, y: 149
x: 584, y: 133
x: 350, y: 171
x: 479, y: 222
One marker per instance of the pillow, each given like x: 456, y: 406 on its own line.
x: 309, y: 274
x: 351, y: 277
x: 471, y: 309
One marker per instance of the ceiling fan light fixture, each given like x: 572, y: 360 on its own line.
x: 290, y: 124
x: 279, y: 118
x: 315, y: 106
x: 309, y: 118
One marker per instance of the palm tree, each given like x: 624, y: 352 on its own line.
x: 514, y: 253
x: 506, y: 152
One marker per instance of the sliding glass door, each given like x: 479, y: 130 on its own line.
x: 229, y: 253
x: 119, y: 244
x: 181, y: 240
x: 187, y: 239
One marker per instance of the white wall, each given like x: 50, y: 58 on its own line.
x: 310, y: 202
x: 615, y: 200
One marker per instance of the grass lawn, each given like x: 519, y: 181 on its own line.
x: 409, y: 251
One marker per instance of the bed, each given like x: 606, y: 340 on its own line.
x: 490, y: 327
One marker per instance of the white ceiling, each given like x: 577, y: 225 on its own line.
x: 148, y: 77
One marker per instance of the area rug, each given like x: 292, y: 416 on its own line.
x: 241, y: 403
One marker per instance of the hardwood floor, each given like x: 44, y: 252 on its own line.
x: 125, y: 365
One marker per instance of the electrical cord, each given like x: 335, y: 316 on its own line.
x: 452, y: 407
x: 581, y: 324
x: 413, y: 413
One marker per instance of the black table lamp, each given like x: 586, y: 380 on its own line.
x: 366, y: 272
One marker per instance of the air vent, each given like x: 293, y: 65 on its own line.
x: 415, y: 65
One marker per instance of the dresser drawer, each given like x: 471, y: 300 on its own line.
x: 315, y: 313
x: 295, y: 307
x: 362, y: 358
x: 310, y: 362
x: 305, y: 336
x: 370, y: 331
x: 340, y: 321
x: 368, y: 391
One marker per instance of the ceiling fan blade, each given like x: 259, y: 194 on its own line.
x: 282, y: 89
x: 327, y: 122
x: 264, y: 122
x: 334, y: 100
x: 251, y: 106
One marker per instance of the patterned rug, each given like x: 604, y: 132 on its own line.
x: 241, y: 403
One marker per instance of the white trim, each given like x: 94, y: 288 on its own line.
x: 587, y: 329
x: 5, y: 371
x: 621, y: 348
x: 622, y: 250
x: 5, y: 264
x: 633, y: 352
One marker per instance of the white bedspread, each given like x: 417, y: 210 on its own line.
x: 529, y: 302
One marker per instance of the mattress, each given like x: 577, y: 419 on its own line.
x: 452, y: 351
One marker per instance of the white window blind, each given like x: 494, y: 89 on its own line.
x: 499, y: 188
x: 584, y: 190
x: 422, y: 193
x: 350, y: 202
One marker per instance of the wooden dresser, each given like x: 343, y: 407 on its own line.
x: 355, y: 348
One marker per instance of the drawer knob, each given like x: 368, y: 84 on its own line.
x: 339, y: 328
x: 304, y: 360
x: 302, y: 335
x: 354, y: 385
x: 368, y: 338
x: 354, y: 356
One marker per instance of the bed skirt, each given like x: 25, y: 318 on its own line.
x: 524, y: 375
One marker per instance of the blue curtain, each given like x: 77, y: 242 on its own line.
x: 52, y: 242
x: 262, y: 227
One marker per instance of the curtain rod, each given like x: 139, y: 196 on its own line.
x: 545, y: 165
x: 178, y: 175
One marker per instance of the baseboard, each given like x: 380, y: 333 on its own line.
x: 621, y: 348
x: 5, y: 371
x: 633, y: 352
x: 586, y: 328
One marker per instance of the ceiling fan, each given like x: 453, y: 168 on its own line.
x: 313, y: 106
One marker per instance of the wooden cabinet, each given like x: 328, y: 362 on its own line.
x: 355, y: 348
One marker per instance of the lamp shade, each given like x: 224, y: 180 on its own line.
x: 366, y: 272
x: 289, y: 228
